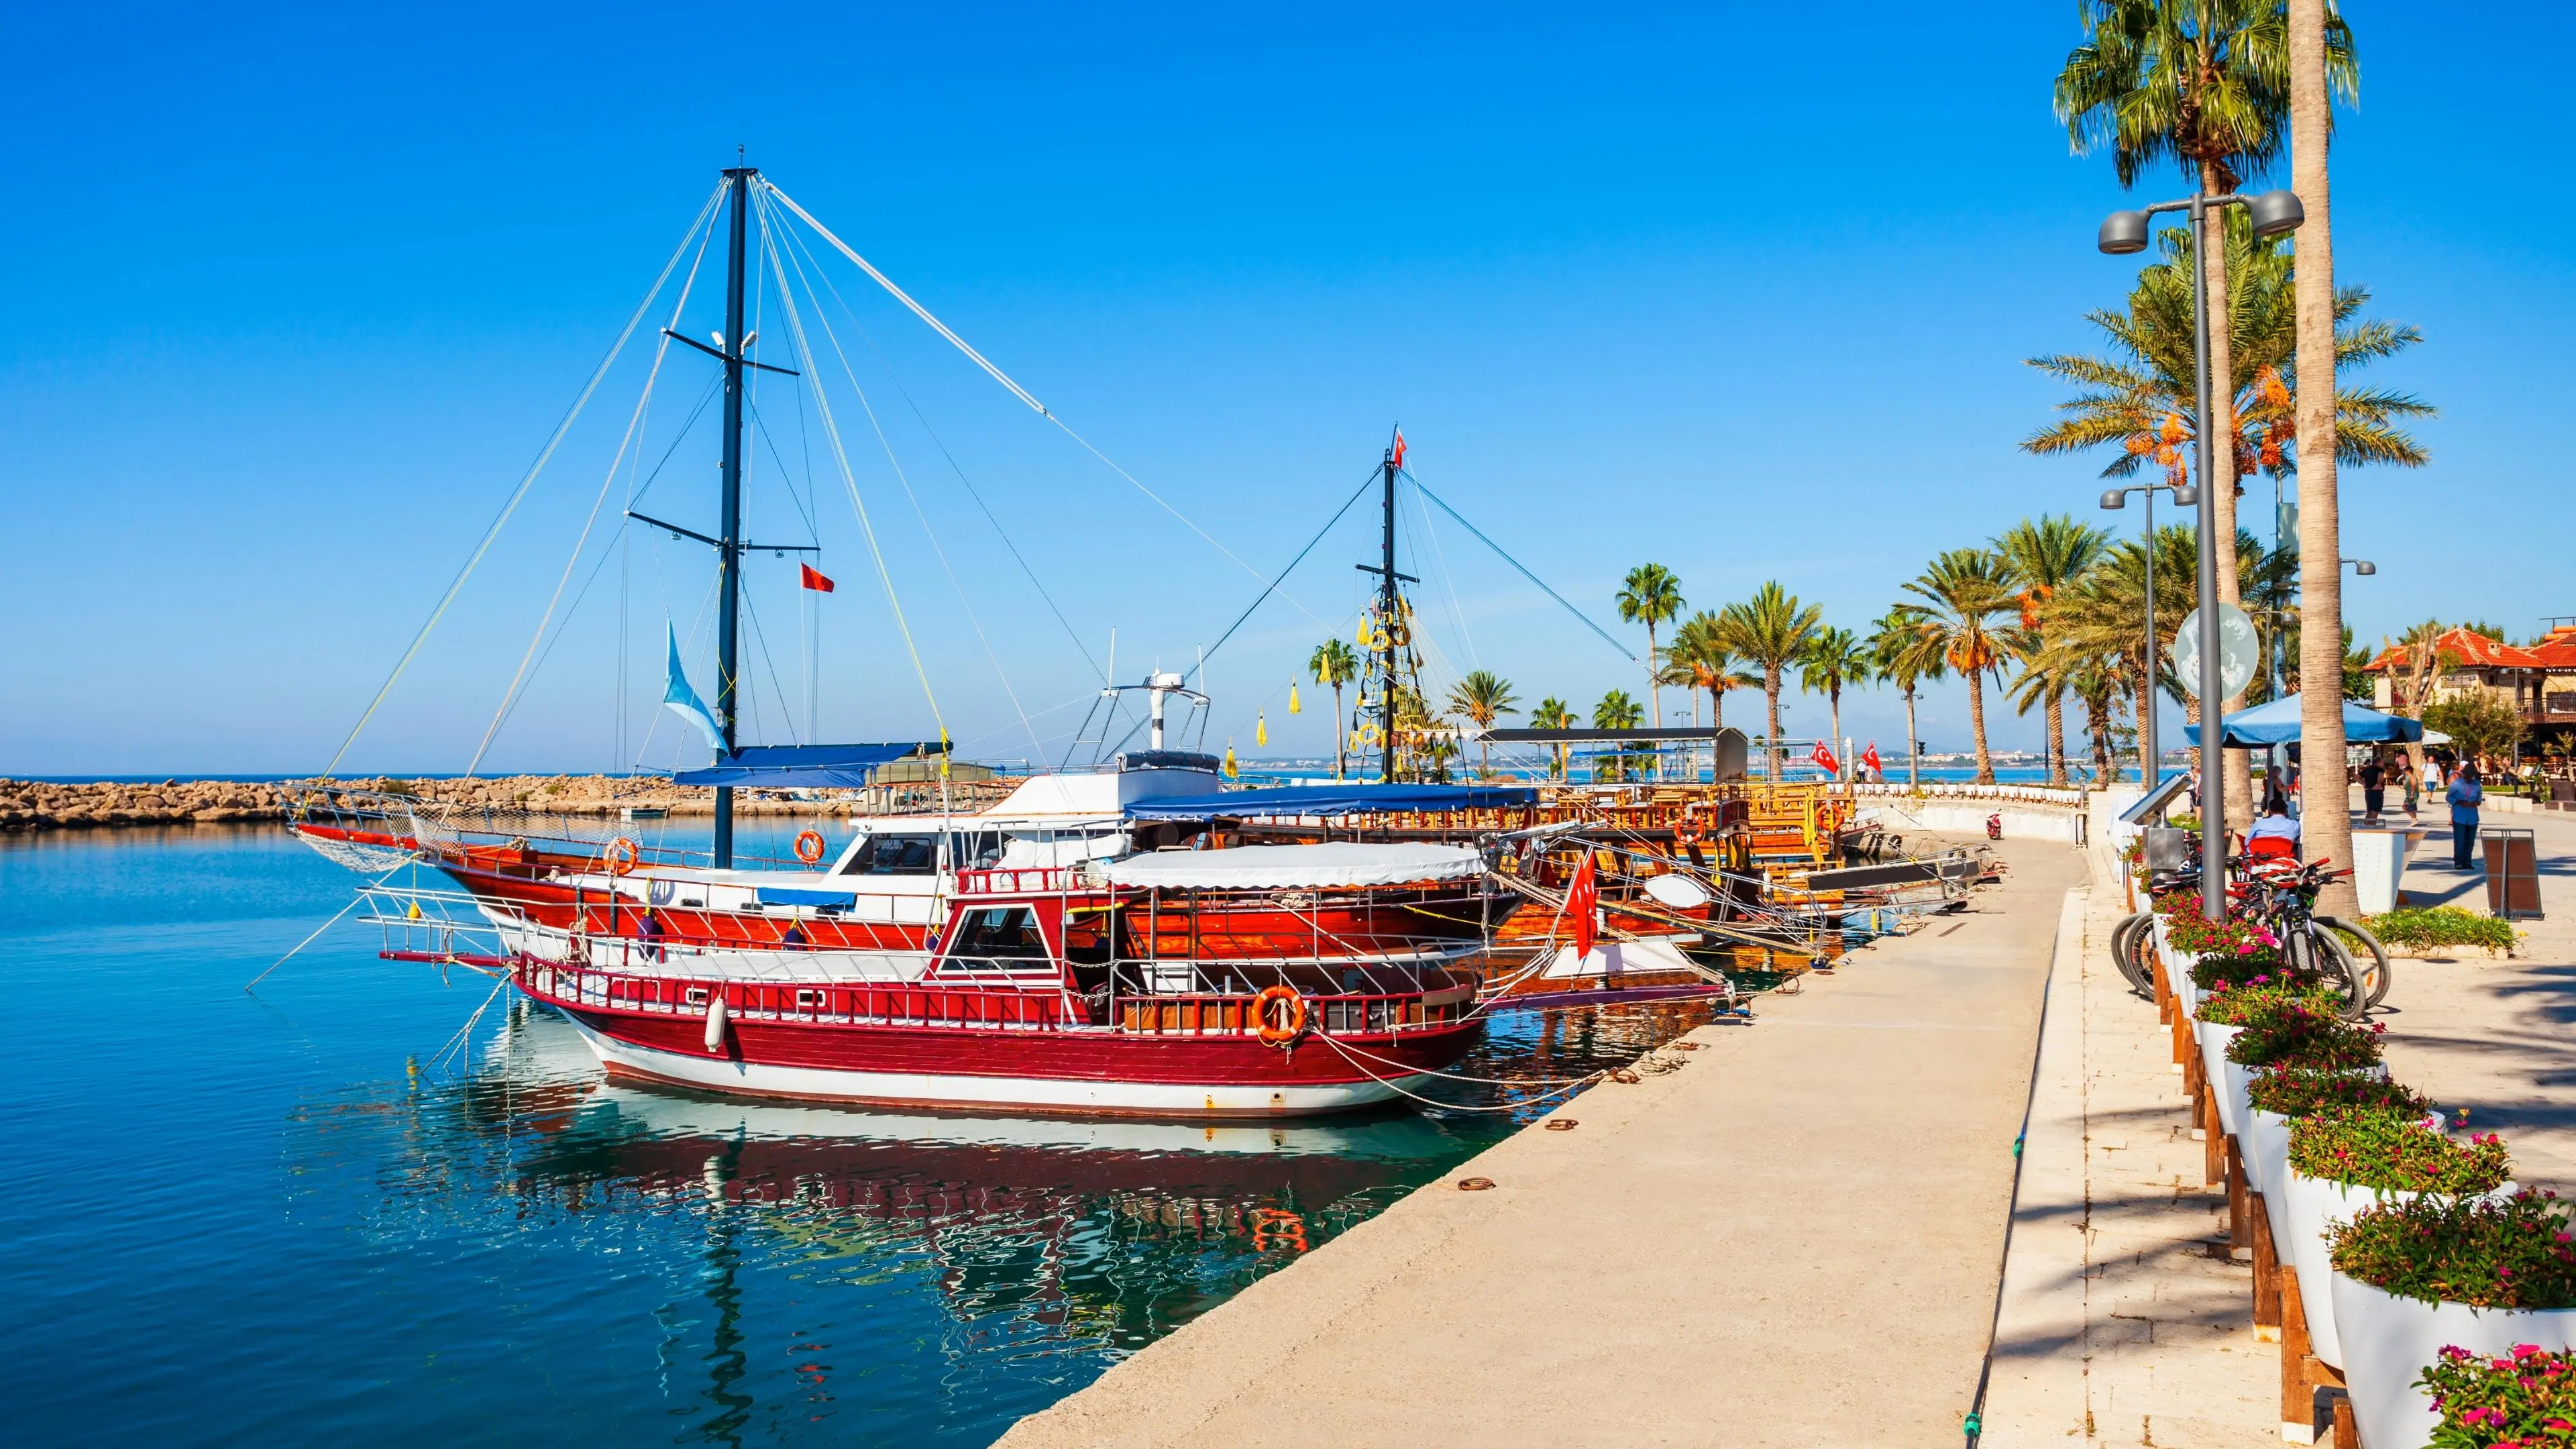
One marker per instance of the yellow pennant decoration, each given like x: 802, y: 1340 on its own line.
x: 1261, y: 729
x: 1292, y: 700
x: 1230, y: 771
x: 414, y: 912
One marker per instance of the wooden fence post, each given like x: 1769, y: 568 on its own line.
x: 2267, y: 1274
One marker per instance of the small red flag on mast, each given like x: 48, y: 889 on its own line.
x: 814, y: 580
x: 1869, y: 757
x: 1825, y: 761
x: 1583, y: 903
x: 1397, y: 455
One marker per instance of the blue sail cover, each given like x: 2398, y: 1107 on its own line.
x: 798, y: 767
x: 1332, y: 800
x: 2277, y: 723
x: 684, y: 701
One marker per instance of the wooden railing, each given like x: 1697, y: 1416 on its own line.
x: 789, y: 1001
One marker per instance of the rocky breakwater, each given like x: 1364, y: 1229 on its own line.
x: 42, y: 805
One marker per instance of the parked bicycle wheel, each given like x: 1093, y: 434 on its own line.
x: 2375, y: 972
x: 2334, y: 961
x: 2128, y: 952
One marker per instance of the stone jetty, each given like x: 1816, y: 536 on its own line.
x: 28, y: 805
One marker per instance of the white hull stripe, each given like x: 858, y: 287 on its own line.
x: 1047, y: 1094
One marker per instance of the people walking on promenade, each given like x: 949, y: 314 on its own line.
x: 2374, y: 789
x: 2465, y: 797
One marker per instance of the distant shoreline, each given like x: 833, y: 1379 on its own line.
x: 38, y: 804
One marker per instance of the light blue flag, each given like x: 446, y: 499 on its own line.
x: 684, y: 701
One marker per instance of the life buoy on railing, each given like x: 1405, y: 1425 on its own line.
x: 620, y: 856
x: 809, y: 847
x: 1265, y: 1020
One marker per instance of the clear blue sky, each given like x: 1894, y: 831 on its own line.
x: 1745, y: 290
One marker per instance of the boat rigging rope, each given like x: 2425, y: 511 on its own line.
x: 634, y: 425
x: 1524, y: 568
x: 1281, y: 577
x: 823, y: 320
x: 811, y: 267
x: 1456, y: 1106
x: 1017, y: 391
x: 849, y: 480
x: 520, y: 493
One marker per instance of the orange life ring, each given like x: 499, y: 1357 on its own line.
x: 809, y: 847
x: 620, y: 856
x: 1270, y: 1032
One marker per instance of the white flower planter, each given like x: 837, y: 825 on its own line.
x: 2266, y: 1146
x: 2388, y: 1341
x: 2215, y: 1067
x: 2316, y: 1205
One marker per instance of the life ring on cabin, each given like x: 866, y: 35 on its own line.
x: 620, y: 856
x: 809, y: 847
x: 1270, y: 1032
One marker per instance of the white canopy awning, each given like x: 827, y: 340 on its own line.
x: 1295, y: 867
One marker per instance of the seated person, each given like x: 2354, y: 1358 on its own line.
x: 2277, y: 826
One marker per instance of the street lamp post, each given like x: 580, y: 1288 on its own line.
x: 2115, y: 499
x: 2124, y: 233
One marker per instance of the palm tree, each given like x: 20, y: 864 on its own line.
x: 1771, y: 630
x: 2046, y: 556
x: 1834, y: 658
x: 1701, y: 659
x: 1335, y: 664
x: 1616, y: 711
x: 2203, y: 84
x: 1962, y: 596
x: 1652, y: 595
x: 1481, y: 698
x: 2321, y: 62
x: 2141, y: 396
x: 1554, y: 714
x: 1906, y: 650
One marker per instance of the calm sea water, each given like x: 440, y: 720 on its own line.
x: 287, y: 1216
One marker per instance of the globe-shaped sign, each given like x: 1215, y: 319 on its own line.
x: 2240, y: 649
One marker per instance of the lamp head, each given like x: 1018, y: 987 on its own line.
x: 2276, y: 213
x: 2115, y: 499
x: 2186, y: 495
x: 2124, y: 233
x: 2363, y: 566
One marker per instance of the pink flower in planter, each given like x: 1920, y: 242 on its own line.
x: 2526, y: 1350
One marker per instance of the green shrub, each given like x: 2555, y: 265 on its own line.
x: 2526, y: 1399
x: 2296, y: 1094
x: 2392, y: 1150
x: 2440, y: 927
x: 2486, y: 1252
x: 397, y: 787
x: 2247, y: 1001
x: 2297, y: 1039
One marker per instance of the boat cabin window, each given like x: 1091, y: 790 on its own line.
x: 1005, y: 933
x: 981, y: 850
x: 895, y: 855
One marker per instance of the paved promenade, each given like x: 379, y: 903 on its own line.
x: 2124, y: 1321
x: 1793, y: 1241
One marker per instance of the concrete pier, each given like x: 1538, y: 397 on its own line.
x: 1796, y: 1240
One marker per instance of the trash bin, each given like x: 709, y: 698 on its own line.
x: 2513, y: 872
x: 2378, y: 864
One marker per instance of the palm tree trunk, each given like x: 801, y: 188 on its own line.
x: 1913, y: 760
x: 1339, y: 739
x: 1771, y: 691
x: 1837, y: 697
x: 2221, y: 432
x: 1654, y: 689
x: 1716, y: 710
x: 1977, y: 724
x: 2056, y: 737
x: 2327, y: 827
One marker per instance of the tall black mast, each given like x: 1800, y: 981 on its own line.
x: 729, y: 529
x: 1387, y: 616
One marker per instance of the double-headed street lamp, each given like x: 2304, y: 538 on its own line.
x: 2185, y: 495
x: 2124, y: 233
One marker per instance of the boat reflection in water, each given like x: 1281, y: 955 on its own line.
x: 897, y: 1276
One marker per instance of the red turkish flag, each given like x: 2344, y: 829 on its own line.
x: 1583, y: 903
x: 1825, y: 760
x: 1869, y: 757
x: 813, y: 580
x: 1397, y: 456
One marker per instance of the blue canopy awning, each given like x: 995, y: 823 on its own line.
x: 782, y: 767
x: 2277, y: 723
x: 1332, y: 800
